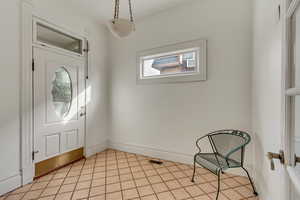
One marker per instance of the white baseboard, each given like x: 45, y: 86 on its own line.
x: 9, y: 184
x: 152, y: 152
x: 162, y: 154
x: 92, y: 150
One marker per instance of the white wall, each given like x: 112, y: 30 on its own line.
x: 9, y: 88
x: 165, y: 119
x: 266, y: 97
x: 10, y: 81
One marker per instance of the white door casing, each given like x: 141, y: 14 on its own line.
x: 59, y: 103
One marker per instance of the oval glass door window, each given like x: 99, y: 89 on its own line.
x: 62, y: 92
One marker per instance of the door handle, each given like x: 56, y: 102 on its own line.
x: 279, y: 156
x: 297, y: 160
x: 82, y: 114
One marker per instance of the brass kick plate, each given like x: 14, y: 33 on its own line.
x: 47, y: 166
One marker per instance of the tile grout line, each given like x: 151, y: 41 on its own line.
x: 184, y: 186
x: 61, y: 184
x: 116, y: 159
x: 136, y: 187
x: 163, y: 181
x: 93, y: 172
x: 43, y: 190
x: 147, y: 177
x: 77, y: 180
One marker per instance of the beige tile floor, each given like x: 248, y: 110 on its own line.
x: 115, y: 175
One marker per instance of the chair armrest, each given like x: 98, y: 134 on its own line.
x: 198, y: 140
x: 227, y: 157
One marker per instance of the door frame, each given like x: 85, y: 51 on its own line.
x: 289, y: 7
x: 28, y: 13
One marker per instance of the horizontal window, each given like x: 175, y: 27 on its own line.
x: 47, y: 35
x: 171, y: 63
x: 176, y: 63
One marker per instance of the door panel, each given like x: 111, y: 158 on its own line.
x: 72, y: 139
x: 52, y: 145
x: 59, y: 104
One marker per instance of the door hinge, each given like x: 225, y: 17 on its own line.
x: 32, y: 155
x: 32, y: 65
x: 87, y: 48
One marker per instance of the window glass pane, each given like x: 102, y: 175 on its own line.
x: 56, y: 38
x: 170, y: 64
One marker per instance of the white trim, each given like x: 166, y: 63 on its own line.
x: 27, y: 166
x: 162, y: 154
x: 58, y: 51
x: 292, y: 8
x: 92, y: 150
x: 10, y: 184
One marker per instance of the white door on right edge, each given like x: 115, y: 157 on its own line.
x: 294, y: 105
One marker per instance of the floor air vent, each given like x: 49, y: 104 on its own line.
x: 156, y: 162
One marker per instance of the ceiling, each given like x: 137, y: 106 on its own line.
x: 103, y: 9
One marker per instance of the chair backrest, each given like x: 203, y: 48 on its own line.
x: 230, y: 143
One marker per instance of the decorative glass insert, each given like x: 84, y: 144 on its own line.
x: 47, y: 35
x: 62, y: 92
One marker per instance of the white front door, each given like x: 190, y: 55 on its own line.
x: 59, y: 103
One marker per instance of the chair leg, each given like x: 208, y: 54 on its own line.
x: 219, y: 184
x: 193, y: 180
x: 252, y: 184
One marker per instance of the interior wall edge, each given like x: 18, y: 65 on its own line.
x: 92, y: 150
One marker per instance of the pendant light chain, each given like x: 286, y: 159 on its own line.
x: 117, y: 10
x: 121, y: 27
x: 130, y: 10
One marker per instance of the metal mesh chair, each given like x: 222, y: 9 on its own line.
x: 228, y: 149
